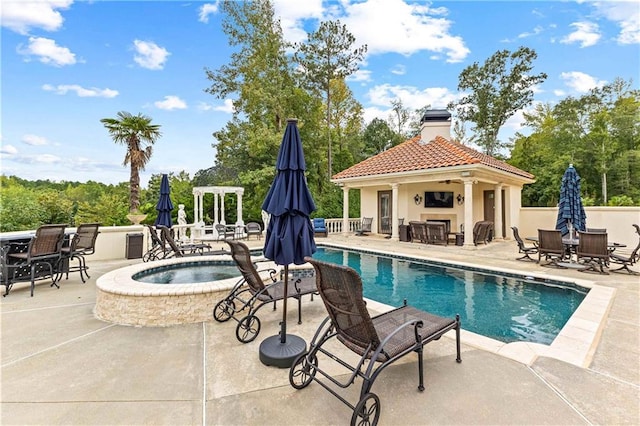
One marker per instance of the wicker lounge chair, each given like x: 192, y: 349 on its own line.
x: 183, y: 250
x: 225, y: 231
x: 251, y: 293
x: 593, y: 252
x: 40, y: 258
x: 82, y: 244
x: 522, y: 247
x: 629, y: 259
x: 158, y: 249
x: 437, y: 233
x: 482, y: 232
x: 418, y: 231
x: 365, y: 226
x: 379, y: 340
x: 551, y: 247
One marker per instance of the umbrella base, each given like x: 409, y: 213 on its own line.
x: 281, y: 355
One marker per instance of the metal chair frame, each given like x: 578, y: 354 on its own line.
x: 627, y: 260
x: 82, y: 244
x: 522, y: 247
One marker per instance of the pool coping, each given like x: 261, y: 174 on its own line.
x: 576, y: 342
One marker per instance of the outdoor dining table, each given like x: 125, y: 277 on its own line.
x: 571, y: 244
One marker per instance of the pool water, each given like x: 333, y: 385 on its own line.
x: 188, y: 273
x: 508, y: 309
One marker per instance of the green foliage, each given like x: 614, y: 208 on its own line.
x: 620, y: 200
x: 19, y: 208
x: 498, y: 88
x: 378, y: 137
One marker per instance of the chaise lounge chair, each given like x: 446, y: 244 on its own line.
x: 379, y: 340
x: 183, y: 250
x: 251, y: 293
x: 158, y: 249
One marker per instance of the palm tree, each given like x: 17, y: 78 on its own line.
x: 134, y: 131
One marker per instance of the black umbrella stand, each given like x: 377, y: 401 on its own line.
x: 282, y: 350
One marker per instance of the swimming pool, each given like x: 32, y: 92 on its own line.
x: 505, y: 308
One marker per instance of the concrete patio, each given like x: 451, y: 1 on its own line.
x: 61, y: 365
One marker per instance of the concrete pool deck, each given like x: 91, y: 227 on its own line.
x: 61, y: 365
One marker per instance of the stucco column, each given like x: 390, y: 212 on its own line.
x: 395, y: 235
x: 345, y: 210
x: 215, y: 208
x: 239, y: 220
x: 468, y: 213
x: 222, y: 219
x: 497, y: 212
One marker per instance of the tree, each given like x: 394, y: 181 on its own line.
x: 399, y: 117
x: 133, y: 131
x: 326, y: 56
x: 499, y: 88
x: 378, y: 137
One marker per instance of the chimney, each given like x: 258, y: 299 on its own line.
x: 435, y: 122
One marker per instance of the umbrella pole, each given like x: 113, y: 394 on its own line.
x: 283, y: 324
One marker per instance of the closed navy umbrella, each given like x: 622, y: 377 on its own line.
x: 164, y: 205
x: 570, y: 210
x: 289, y: 236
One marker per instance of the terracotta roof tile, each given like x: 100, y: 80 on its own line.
x: 413, y: 155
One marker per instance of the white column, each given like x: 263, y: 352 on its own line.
x: 216, y: 217
x: 345, y: 210
x: 395, y: 235
x: 468, y: 213
x: 222, y: 219
x: 497, y: 213
x: 239, y: 220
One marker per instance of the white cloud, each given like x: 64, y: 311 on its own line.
x: 92, y: 92
x: 34, y: 140
x: 395, y: 26
x: 537, y: 30
x: 586, y: 33
x: 292, y: 13
x: 170, y: 103
x: 227, y: 107
x: 624, y: 13
x: 8, y: 149
x: 399, y: 69
x: 581, y: 82
x: 412, y: 97
x: 206, y: 10
x: 149, y: 55
x: 21, y: 16
x: 360, y: 75
x: 48, y: 52
x: 559, y: 93
x: 47, y: 158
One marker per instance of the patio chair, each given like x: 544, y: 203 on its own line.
x: 628, y: 259
x: 379, y: 341
x: 40, y: 257
x: 365, y: 226
x: 82, y: 244
x: 593, y: 251
x: 225, y: 231
x: 184, y: 250
x: 482, y: 232
x: 320, y: 227
x: 522, y: 247
x: 437, y: 233
x: 551, y: 247
x: 158, y: 249
x: 253, y: 228
x: 251, y: 293
x: 418, y: 231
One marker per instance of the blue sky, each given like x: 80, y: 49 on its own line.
x: 67, y: 64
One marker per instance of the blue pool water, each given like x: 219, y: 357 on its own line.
x: 508, y: 309
x: 187, y: 273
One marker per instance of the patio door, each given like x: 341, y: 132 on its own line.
x: 490, y: 208
x: 384, y: 212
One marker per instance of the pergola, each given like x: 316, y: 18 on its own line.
x: 219, y: 193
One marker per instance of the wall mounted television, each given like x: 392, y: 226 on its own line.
x: 438, y: 199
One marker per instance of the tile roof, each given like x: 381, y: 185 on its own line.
x: 413, y: 155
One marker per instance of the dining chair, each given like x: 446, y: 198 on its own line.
x: 82, y: 244
x: 551, y: 247
x: 40, y: 257
x: 593, y: 252
x: 522, y: 247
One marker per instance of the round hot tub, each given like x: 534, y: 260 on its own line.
x: 122, y: 299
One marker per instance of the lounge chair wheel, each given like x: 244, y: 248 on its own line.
x: 367, y: 411
x: 248, y: 328
x: 224, y: 310
x: 302, y: 372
